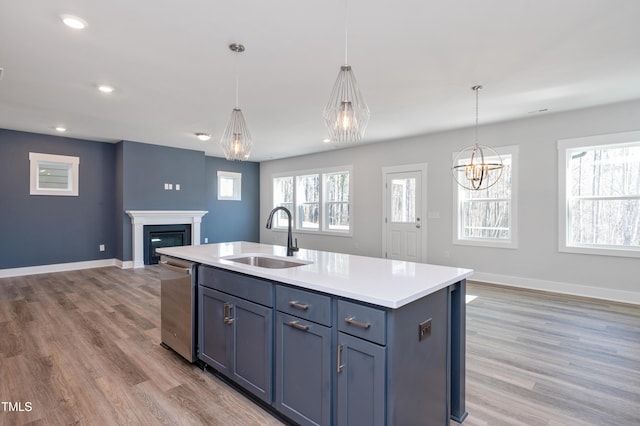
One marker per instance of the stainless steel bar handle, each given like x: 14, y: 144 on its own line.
x: 352, y: 321
x: 339, y: 365
x: 298, y: 305
x: 175, y: 268
x: 296, y: 324
x: 227, y: 313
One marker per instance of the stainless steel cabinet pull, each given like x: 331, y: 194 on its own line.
x: 339, y: 364
x: 296, y: 324
x: 227, y: 313
x: 352, y: 321
x: 295, y: 304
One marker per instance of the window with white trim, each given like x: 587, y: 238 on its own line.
x: 229, y: 185
x: 489, y: 217
x: 599, y: 194
x: 53, y: 174
x: 319, y: 201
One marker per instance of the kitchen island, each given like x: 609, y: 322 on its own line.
x: 333, y: 339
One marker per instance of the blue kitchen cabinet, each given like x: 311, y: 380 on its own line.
x: 236, y: 339
x: 303, y: 356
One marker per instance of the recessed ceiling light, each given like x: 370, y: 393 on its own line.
x: 104, y: 88
x: 326, y: 140
x: 61, y: 128
x: 74, y: 22
x: 203, y: 136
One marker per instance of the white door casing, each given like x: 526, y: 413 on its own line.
x: 404, y: 232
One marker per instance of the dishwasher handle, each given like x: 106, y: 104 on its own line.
x: 170, y: 266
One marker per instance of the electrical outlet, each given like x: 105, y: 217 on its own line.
x: 206, y: 240
x: 101, y: 247
x: 424, y: 330
x: 170, y: 186
x: 177, y: 187
x: 166, y: 186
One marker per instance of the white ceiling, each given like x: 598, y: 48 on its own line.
x: 415, y: 61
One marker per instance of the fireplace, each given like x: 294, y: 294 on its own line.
x: 156, y: 236
x: 142, y: 218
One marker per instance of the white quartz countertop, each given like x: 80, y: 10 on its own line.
x: 383, y: 282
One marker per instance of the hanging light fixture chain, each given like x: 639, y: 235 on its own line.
x: 476, y: 89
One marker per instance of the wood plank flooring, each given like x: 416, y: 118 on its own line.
x: 82, y: 347
x: 537, y: 358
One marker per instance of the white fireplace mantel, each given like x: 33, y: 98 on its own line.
x: 139, y: 218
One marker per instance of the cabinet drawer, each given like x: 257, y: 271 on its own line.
x: 244, y: 286
x: 304, y: 304
x: 362, y: 321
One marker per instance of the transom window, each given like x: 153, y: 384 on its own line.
x: 600, y: 194
x: 318, y: 200
x: 53, y: 174
x: 489, y: 217
x: 229, y: 185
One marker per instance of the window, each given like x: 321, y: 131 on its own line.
x: 599, y: 194
x: 53, y: 174
x: 318, y: 200
x: 283, y: 196
x: 489, y: 217
x: 308, y: 202
x: 229, y: 185
x: 337, y: 203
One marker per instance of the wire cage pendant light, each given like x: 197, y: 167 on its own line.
x: 346, y: 114
x: 236, y: 140
x: 477, y: 167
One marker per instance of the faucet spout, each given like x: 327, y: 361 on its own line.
x: 290, y: 247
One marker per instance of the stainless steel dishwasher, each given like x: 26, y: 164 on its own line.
x: 178, y: 306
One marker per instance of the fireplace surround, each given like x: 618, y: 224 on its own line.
x: 140, y: 218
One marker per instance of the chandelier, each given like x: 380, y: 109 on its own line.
x: 236, y: 140
x: 478, y: 166
x: 346, y: 114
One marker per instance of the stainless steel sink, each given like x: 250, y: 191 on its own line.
x: 268, y: 262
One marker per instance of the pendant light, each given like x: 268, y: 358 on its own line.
x: 346, y: 114
x: 482, y: 166
x: 236, y: 139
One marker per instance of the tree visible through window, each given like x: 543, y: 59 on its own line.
x: 488, y: 217
x: 318, y: 201
x: 603, y: 196
x: 337, y: 201
x: 308, y: 201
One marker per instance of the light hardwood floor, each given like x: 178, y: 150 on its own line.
x: 82, y: 347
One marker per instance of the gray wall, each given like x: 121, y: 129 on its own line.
x: 42, y: 229
x: 49, y: 230
x: 145, y: 170
x: 536, y: 263
x: 232, y: 220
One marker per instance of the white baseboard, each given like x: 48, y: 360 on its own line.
x: 614, y: 295
x: 59, y: 267
x: 124, y: 264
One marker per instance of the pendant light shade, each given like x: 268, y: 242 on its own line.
x: 236, y: 140
x: 346, y: 114
x: 478, y: 166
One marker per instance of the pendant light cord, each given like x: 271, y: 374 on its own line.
x: 346, y: 33
x: 237, y: 78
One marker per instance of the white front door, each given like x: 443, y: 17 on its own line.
x: 404, y: 230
